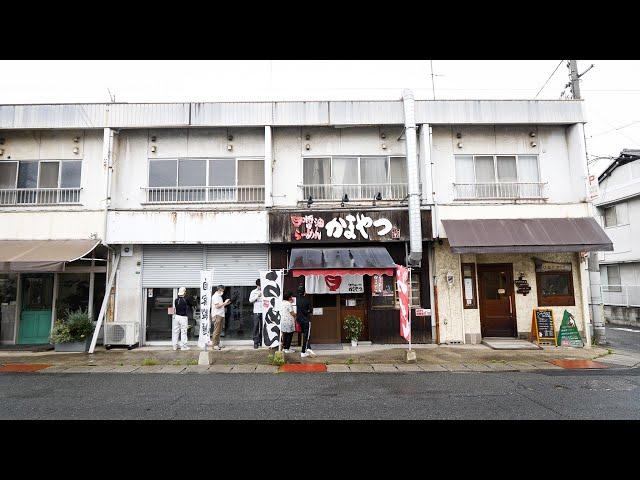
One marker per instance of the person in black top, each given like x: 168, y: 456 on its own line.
x: 180, y: 321
x: 303, y: 316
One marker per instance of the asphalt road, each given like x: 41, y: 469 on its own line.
x: 550, y: 394
x: 623, y: 338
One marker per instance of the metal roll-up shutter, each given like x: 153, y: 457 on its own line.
x: 237, y: 265
x: 172, y: 265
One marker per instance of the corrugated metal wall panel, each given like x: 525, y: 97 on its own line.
x: 232, y: 114
x: 237, y: 264
x: 172, y: 265
x: 300, y: 113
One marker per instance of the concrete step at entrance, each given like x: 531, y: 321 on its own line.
x: 509, y: 344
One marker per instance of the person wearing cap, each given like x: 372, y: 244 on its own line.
x: 180, y: 320
x: 303, y: 316
x: 217, y: 314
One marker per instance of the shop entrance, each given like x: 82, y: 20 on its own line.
x: 330, y: 312
x: 37, y: 301
x: 497, y: 302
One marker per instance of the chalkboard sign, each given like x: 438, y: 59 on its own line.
x: 568, y: 334
x: 542, y: 326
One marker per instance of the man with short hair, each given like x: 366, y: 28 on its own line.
x: 217, y: 315
x: 303, y: 316
x: 256, y: 298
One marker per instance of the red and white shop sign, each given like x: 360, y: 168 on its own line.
x: 402, y: 282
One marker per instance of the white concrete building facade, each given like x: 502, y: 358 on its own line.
x: 618, y: 206
x: 170, y: 189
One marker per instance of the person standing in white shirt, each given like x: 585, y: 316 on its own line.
x: 217, y: 315
x: 256, y: 298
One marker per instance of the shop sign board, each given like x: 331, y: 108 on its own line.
x: 568, y: 334
x: 403, y: 297
x: 206, y: 277
x: 303, y: 227
x: 422, y: 312
x: 523, y: 286
x: 271, y: 285
x: 542, y: 326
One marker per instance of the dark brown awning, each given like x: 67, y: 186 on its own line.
x: 526, y: 235
x: 341, y: 261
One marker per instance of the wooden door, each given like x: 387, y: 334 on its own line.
x: 497, y: 301
x: 325, y: 326
x: 37, y: 300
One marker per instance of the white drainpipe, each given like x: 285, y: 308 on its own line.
x: 415, y: 227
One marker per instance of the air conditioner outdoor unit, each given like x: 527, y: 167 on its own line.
x: 121, y: 335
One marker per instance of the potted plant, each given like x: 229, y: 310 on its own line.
x: 354, y: 326
x: 73, y: 333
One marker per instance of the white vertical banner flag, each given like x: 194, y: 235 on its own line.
x: 271, y: 286
x: 206, y: 277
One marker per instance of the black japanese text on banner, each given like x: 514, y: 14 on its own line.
x: 271, y: 286
x: 206, y: 277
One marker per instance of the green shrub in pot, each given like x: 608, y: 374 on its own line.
x: 76, y: 326
x: 354, y: 327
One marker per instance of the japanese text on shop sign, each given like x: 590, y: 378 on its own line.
x: 349, y: 227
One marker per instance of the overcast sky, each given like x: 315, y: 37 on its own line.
x: 610, y: 90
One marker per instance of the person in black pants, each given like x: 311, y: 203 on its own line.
x: 303, y: 316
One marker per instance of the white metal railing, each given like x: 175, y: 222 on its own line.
x: 621, y: 295
x: 39, y: 196
x: 388, y: 191
x: 499, y: 190
x: 235, y: 194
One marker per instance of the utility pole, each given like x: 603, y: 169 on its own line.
x: 596, y: 307
x: 575, y: 79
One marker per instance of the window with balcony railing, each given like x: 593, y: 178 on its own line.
x: 40, y: 182
x: 358, y: 177
x: 498, y: 177
x: 205, y: 180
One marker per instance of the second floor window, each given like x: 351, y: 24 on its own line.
x: 497, y: 176
x: 355, y: 176
x: 616, y: 215
x: 40, y: 181
x: 206, y: 180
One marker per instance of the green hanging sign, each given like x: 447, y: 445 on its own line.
x: 568, y: 334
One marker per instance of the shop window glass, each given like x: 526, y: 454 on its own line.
x: 99, y: 286
x: 8, y: 174
x: 383, y: 291
x: 555, y: 289
x: 8, y: 307
x: 73, y: 293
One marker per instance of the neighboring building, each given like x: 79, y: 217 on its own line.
x: 619, y: 213
x: 332, y: 192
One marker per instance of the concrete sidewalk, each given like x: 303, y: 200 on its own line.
x: 364, y: 358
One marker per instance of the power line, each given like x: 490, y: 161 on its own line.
x: 545, y: 83
x: 614, y: 129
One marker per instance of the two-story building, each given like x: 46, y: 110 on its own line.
x: 618, y: 207
x: 473, y: 195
